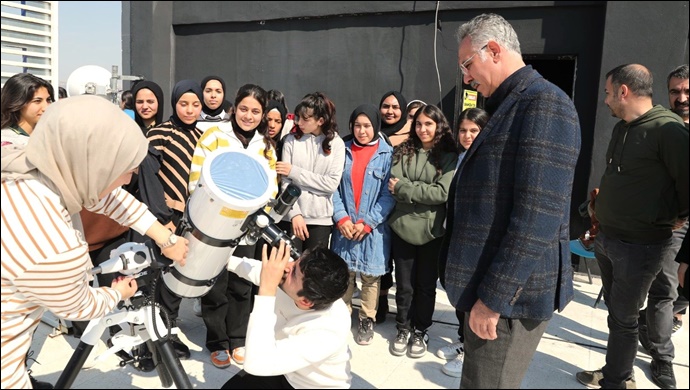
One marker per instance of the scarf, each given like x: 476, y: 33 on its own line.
x: 180, y: 89
x: 374, y: 116
x: 78, y: 156
x: 395, y: 127
x: 157, y: 91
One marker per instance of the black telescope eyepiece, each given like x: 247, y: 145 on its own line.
x: 287, y: 199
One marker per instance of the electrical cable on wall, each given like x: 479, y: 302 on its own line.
x: 438, y: 75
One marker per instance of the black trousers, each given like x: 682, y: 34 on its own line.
x: 318, y: 235
x: 226, y: 307
x: 416, y: 272
x: 243, y: 380
x: 166, y: 298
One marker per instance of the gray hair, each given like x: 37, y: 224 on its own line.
x: 487, y: 27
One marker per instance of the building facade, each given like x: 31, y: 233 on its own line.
x: 29, y: 39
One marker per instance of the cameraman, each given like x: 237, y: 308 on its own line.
x: 298, y: 330
x: 71, y: 162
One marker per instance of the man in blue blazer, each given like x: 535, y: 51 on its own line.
x: 508, y: 262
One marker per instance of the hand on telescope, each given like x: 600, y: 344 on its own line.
x: 160, y: 234
x: 177, y: 252
x: 126, y: 285
x: 299, y: 227
x: 274, y: 268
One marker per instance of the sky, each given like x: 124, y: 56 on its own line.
x: 89, y: 33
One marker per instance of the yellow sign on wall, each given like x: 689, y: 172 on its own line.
x: 469, y: 99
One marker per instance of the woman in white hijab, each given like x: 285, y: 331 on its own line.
x: 72, y: 161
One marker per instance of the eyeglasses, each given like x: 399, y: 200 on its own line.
x: 463, y: 66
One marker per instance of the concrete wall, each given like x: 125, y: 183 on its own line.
x: 356, y: 51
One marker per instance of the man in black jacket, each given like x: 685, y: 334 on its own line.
x: 642, y: 198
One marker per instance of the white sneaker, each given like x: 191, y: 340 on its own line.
x: 453, y: 367
x: 196, y: 307
x: 452, y: 351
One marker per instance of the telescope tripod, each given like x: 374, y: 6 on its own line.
x: 143, y: 323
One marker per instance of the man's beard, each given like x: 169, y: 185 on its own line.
x: 681, y: 109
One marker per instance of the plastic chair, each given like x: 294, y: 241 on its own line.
x: 576, y: 248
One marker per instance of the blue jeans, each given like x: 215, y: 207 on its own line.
x: 627, y: 273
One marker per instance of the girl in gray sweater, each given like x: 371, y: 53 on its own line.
x: 313, y: 159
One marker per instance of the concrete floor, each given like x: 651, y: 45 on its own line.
x: 575, y: 340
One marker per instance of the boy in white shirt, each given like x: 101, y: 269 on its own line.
x: 298, y: 331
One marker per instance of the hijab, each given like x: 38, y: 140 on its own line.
x: 276, y: 105
x: 395, y: 127
x: 78, y: 156
x: 180, y: 89
x: 374, y: 116
x: 157, y: 91
x: 207, y: 114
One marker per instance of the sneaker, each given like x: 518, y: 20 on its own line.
x: 181, y: 349
x: 662, y: 374
x: 399, y: 346
x: 642, y: 333
x: 677, y: 324
x: 238, y: 355
x: 452, y: 351
x: 453, y: 367
x: 592, y: 379
x: 382, y: 310
x: 196, y: 307
x: 365, y: 331
x: 221, y: 359
x: 36, y: 384
x: 418, y: 344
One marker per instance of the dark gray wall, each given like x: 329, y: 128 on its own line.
x: 356, y: 51
x: 654, y: 34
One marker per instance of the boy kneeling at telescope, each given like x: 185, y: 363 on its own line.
x: 298, y: 330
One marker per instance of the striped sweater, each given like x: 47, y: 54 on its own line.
x: 45, y: 264
x: 177, y: 147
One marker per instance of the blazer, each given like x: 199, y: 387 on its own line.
x: 509, y: 231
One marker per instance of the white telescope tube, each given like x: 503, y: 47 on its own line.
x: 233, y: 185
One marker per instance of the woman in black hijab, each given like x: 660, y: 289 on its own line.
x: 392, y: 108
x: 214, y: 106
x: 176, y: 139
x: 148, y: 98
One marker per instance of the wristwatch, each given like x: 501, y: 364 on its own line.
x: 172, y: 240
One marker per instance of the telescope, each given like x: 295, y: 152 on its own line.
x: 229, y: 207
x: 141, y: 322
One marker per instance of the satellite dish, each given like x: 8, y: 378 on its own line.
x: 89, y: 80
